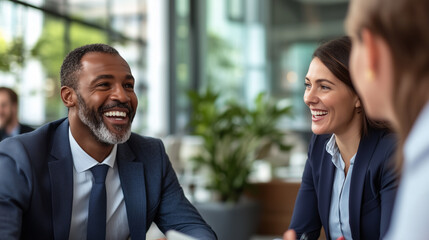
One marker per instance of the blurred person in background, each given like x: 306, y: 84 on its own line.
x: 9, y: 124
x: 390, y: 69
x: 349, y: 183
x: 87, y: 176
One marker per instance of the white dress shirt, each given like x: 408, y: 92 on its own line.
x: 410, y: 218
x: 339, y: 224
x: 116, y: 215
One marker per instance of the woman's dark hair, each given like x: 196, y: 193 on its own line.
x: 335, y: 55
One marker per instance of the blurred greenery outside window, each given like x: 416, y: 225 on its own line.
x: 50, y: 50
x: 44, y: 33
x: 202, y: 57
x: 240, y: 47
x: 252, y: 46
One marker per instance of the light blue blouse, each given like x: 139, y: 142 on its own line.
x: 339, y: 211
x: 411, y: 212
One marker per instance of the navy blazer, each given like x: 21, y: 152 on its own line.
x: 372, y: 189
x: 22, y: 129
x: 36, y: 187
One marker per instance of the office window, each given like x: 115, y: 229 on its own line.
x: 40, y: 34
x: 247, y: 47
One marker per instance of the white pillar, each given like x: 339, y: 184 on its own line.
x: 157, y: 79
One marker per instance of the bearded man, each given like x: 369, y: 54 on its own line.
x: 88, y: 176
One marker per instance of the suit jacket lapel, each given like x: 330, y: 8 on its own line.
x: 133, y: 187
x: 60, y: 166
x: 325, y: 188
x: 363, y: 158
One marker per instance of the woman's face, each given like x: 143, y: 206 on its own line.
x: 332, y: 103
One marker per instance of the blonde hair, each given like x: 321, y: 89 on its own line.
x: 403, y: 25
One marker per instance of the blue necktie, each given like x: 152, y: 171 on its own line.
x: 97, y: 204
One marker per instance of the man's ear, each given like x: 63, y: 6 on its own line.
x: 379, y: 60
x: 371, y: 51
x: 67, y: 96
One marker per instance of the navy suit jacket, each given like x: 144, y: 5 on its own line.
x: 22, y: 129
x: 36, y: 187
x: 372, y: 189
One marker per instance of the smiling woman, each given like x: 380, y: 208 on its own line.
x: 334, y: 107
x: 341, y: 187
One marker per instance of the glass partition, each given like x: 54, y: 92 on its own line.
x: 36, y: 35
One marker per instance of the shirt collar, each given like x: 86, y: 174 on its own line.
x: 82, y: 161
x: 331, y: 146
x: 334, y: 151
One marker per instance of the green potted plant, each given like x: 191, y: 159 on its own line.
x: 234, y: 136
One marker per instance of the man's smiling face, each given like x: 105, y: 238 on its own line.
x: 106, y: 98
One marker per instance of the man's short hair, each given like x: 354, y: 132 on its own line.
x: 72, y: 65
x: 12, y: 94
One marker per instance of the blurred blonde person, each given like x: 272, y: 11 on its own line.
x: 390, y: 69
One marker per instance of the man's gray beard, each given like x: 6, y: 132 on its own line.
x: 98, y: 128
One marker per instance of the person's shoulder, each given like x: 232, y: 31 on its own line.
x: 50, y: 126
x: 385, y: 137
x: 385, y: 146
x: 135, y: 137
x: 143, y: 142
x: 317, y: 146
x: 35, y: 144
x: 25, y: 128
x: 40, y: 135
x: 145, y: 148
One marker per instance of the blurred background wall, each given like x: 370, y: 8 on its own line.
x: 241, y: 47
